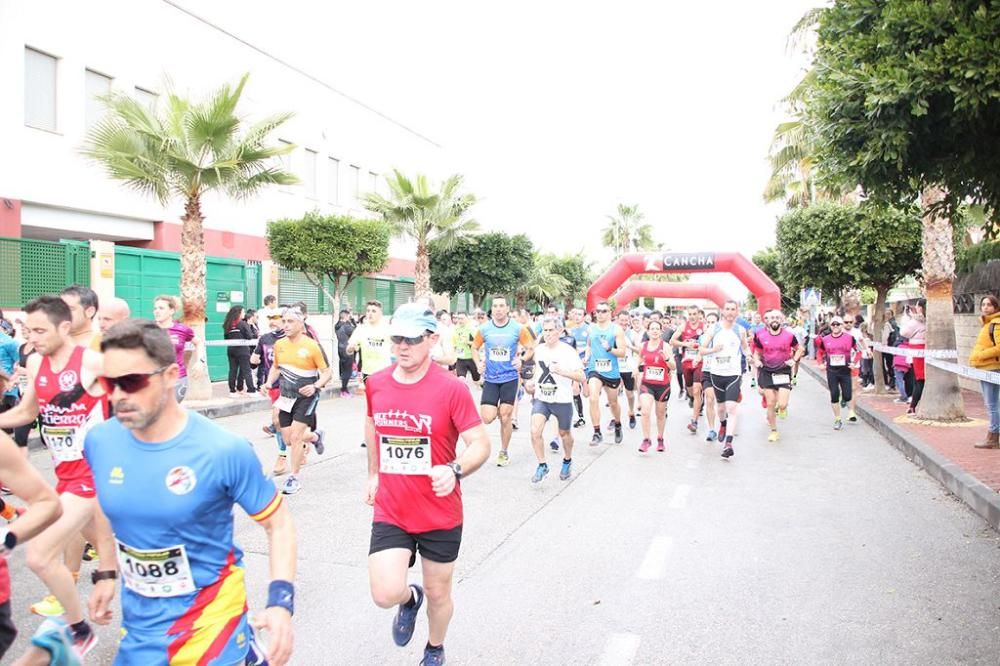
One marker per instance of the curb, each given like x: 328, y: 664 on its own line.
x: 977, y: 495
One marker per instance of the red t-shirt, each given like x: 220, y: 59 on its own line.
x: 412, y: 420
x: 4, y: 581
x: 655, y: 361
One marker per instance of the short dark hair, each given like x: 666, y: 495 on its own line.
x: 377, y: 304
x: 269, y: 299
x: 87, y: 296
x: 141, y: 334
x: 54, y: 307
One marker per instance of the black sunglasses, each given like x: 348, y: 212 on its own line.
x: 836, y: 323
x: 602, y: 310
x: 130, y: 383
x: 399, y: 339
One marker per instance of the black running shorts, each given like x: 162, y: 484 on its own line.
x: 611, y: 383
x: 727, y: 389
x: 495, y: 395
x: 775, y: 379
x: 437, y: 545
x: 660, y: 392
x: 303, y: 411
x: 467, y: 366
x: 628, y: 381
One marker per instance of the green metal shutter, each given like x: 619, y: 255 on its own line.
x: 293, y: 286
x: 404, y: 293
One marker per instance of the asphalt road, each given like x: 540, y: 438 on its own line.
x: 823, y: 548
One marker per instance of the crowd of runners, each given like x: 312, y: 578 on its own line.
x: 145, y: 488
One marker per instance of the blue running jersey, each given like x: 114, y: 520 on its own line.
x: 501, y: 344
x: 582, y: 335
x: 602, y: 361
x: 171, y: 510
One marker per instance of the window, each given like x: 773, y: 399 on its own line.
x: 286, y: 162
x: 146, y: 97
x: 309, y: 171
x: 372, y: 182
x: 356, y: 182
x: 333, y: 180
x: 96, y: 85
x: 39, y: 90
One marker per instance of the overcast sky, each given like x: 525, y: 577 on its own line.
x: 557, y: 111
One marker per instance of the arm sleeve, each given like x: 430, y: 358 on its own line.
x: 247, y: 484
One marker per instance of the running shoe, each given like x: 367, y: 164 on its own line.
x: 911, y: 412
x: 292, y: 485
x: 712, y: 436
x: 618, y: 434
x: 433, y: 656
x: 579, y: 423
x: 645, y: 445
x: 727, y: 452
x: 406, y: 617
x: 513, y: 425
x: 837, y: 424
x: 345, y: 394
x: 268, y: 429
x: 90, y: 554
x: 843, y: 404
x: 540, y: 472
x: 54, y: 636
x: 596, y: 439
x: 692, y: 426
x: 611, y: 424
x: 691, y: 402
x: 554, y: 445
x: 83, y: 644
x: 503, y: 459
x: 280, y: 466
x: 852, y: 417
x: 902, y: 401
x: 320, y: 446
x: 773, y: 436
x: 48, y: 607
x: 565, y: 470
x: 782, y: 413
x: 722, y: 433
x: 631, y: 421
x: 661, y: 446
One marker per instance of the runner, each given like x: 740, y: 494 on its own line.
x: 444, y: 351
x: 628, y: 364
x: 83, y: 305
x: 527, y: 370
x: 462, y: 336
x: 727, y: 342
x: 112, y: 311
x: 416, y: 414
x: 851, y: 327
x: 711, y: 322
x: 63, y: 390
x: 654, y: 392
x: 158, y: 466
x: 371, y: 338
x: 164, y: 308
x: 301, y: 366
x: 834, y: 352
x: 502, y: 341
x: 776, y: 352
x: 685, y: 339
x: 606, y: 345
x: 264, y: 355
x: 580, y: 330
x: 559, y: 366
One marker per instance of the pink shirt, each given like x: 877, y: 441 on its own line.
x: 180, y: 335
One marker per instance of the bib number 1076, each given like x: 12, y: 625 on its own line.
x: 404, y: 455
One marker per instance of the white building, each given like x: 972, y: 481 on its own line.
x: 56, y: 56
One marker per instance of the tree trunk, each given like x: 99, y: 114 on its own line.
x: 193, y: 292
x: 942, y: 398
x: 877, y: 322
x: 422, y: 271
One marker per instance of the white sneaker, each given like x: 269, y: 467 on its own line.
x: 292, y: 485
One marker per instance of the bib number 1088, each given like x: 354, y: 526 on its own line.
x: 169, y: 568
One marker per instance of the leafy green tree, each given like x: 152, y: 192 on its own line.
x: 188, y: 150
x: 769, y: 261
x: 337, y: 247
x: 491, y: 263
x: 575, y: 269
x: 423, y: 214
x: 626, y: 231
x: 543, y: 284
x: 906, y: 101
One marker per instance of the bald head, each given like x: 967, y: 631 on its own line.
x: 112, y: 312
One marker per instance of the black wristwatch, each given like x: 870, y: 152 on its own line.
x: 456, y: 468
x: 9, y: 540
x: 102, y: 575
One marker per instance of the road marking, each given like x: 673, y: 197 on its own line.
x: 654, y: 564
x: 620, y: 650
x: 680, y: 498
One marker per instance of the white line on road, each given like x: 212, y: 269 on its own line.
x: 680, y: 498
x: 654, y: 564
x: 620, y: 650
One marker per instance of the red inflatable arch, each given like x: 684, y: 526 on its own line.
x: 690, y: 290
x: 762, y: 287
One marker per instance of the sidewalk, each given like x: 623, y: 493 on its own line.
x: 945, y: 452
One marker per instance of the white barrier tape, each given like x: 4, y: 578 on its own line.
x: 224, y: 343
x: 918, y: 353
x: 966, y: 371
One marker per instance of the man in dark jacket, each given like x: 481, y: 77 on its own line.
x: 344, y: 328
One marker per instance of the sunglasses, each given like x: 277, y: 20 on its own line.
x: 836, y: 323
x: 602, y: 310
x: 399, y: 339
x: 130, y: 383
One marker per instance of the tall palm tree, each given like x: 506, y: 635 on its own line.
x: 189, y: 149
x: 543, y: 285
x: 626, y: 231
x: 418, y: 212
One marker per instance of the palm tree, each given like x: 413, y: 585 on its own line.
x: 418, y: 212
x: 190, y: 149
x: 543, y: 285
x: 626, y: 231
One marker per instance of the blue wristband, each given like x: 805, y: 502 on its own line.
x: 281, y: 593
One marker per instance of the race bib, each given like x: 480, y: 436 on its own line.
x: 500, y: 354
x: 656, y: 374
x: 405, y: 455
x: 63, y: 443
x: 547, y: 390
x: 722, y: 360
x: 690, y: 353
x: 780, y: 380
x: 156, y: 573
x: 602, y: 365
x: 837, y: 360
x: 284, y: 403
x: 376, y: 343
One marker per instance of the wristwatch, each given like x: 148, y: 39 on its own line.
x: 456, y: 468
x: 8, y: 542
x: 103, y: 575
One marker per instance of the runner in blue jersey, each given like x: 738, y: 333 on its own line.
x: 580, y: 330
x: 505, y: 343
x: 167, y: 479
x: 606, y: 344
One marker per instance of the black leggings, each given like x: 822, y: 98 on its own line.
x: 240, y: 373
x: 918, y: 391
x: 839, y: 382
x: 346, y: 368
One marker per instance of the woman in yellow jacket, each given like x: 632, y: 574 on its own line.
x: 986, y: 356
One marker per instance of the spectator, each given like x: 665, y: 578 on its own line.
x: 891, y: 338
x: 240, y: 372
x: 986, y: 356
x: 915, y: 331
x: 344, y: 328
x: 901, y: 372
x: 867, y: 367
x: 269, y: 311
